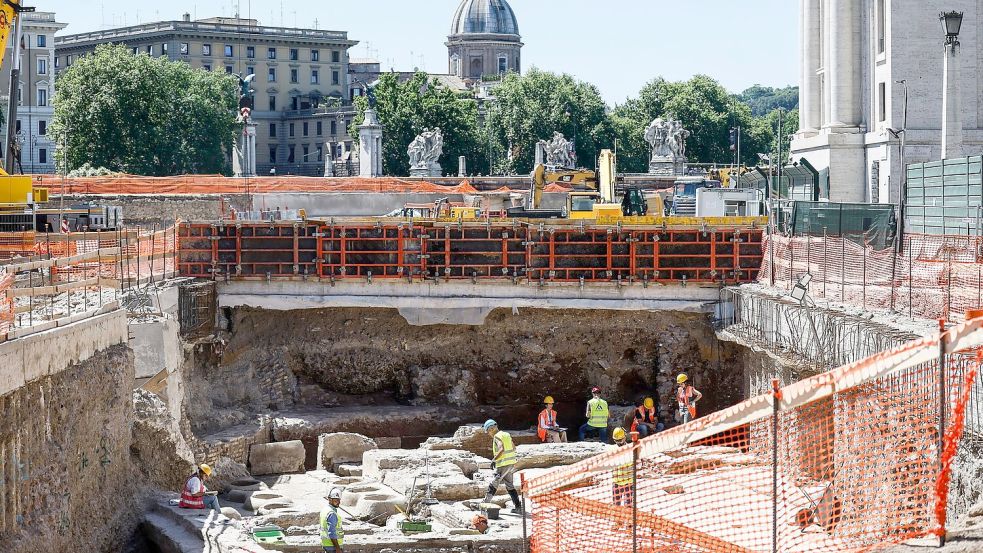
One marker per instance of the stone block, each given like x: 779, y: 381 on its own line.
x: 389, y: 442
x: 377, y: 462
x: 553, y: 455
x: 349, y: 470
x: 257, y: 500
x: 277, y: 458
x: 341, y: 447
x: 291, y: 516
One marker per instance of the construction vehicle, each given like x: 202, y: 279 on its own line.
x: 684, y: 195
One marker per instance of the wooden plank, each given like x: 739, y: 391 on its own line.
x: 108, y: 253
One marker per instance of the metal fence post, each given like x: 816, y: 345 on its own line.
x: 771, y: 253
x: 825, y: 260
x: 634, y: 492
x: 942, y: 407
x: 525, y: 538
x: 842, y: 268
x: 911, y: 284
x: 864, y: 284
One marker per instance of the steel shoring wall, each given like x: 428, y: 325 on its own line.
x: 816, y: 337
x: 500, y: 250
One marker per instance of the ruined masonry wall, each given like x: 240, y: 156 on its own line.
x: 65, y: 477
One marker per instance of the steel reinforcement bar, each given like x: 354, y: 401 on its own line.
x: 476, y: 251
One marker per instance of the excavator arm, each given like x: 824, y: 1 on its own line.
x: 9, y: 11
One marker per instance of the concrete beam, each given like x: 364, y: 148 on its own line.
x: 459, y: 302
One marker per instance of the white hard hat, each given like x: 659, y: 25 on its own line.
x: 335, y: 493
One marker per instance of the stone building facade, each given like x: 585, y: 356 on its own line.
x: 302, y: 104
x: 37, y: 90
x: 853, y: 54
x: 484, y: 40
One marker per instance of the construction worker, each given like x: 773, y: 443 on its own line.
x: 686, y: 397
x: 546, y: 428
x: 332, y: 531
x: 503, y: 455
x: 597, y: 416
x: 195, y: 495
x: 646, y: 419
x: 623, y: 476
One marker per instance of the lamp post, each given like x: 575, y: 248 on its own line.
x: 952, y: 127
x: 902, y: 135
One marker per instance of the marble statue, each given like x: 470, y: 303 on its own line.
x: 667, y: 139
x: 559, y: 151
x: 424, y: 153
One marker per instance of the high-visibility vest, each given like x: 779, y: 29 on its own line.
x: 623, y: 474
x: 684, y: 394
x: 502, y: 443
x: 188, y: 500
x: 648, y: 415
x: 326, y: 528
x: 598, y: 409
x: 547, y: 419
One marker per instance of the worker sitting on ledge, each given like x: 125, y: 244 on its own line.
x: 547, y: 429
x: 195, y: 495
x: 597, y: 417
x: 646, y: 419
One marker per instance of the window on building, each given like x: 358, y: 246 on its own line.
x: 335, y: 77
x: 455, y: 65
x: 42, y: 66
x: 163, y: 48
x: 315, y: 55
x: 335, y: 56
x: 291, y: 131
x: 318, y: 128
x: 272, y: 154
x: 42, y: 41
x: 334, y: 128
x: 206, y: 67
x: 272, y: 130
x: 305, y: 128
x: 881, y: 26
x: 228, y: 51
x: 20, y: 98
x: 135, y: 49
x: 272, y: 102
x: 17, y: 126
x: 294, y: 54
x: 250, y: 70
x: 42, y: 127
x: 503, y: 64
x: 290, y: 154
x: 307, y: 152
x: 251, y: 52
x: 150, y: 49
x: 228, y: 69
x: 294, y: 103
x: 56, y: 62
x: 315, y: 78
x: 185, y: 48
x: 320, y: 153
x: 42, y: 97
x: 271, y: 75
x: 293, y: 76
x: 206, y: 49
x: 882, y: 102
x: 271, y: 53
x: 42, y: 155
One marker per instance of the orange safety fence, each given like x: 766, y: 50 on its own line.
x: 217, y: 184
x: 934, y: 276
x: 142, y: 255
x: 849, y: 460
x: 6, y: 302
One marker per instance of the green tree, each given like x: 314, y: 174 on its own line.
x: 406, y: 108
x: 705, y: 108
x: 789, y: 124
x: 763, y: 99
x: 142, y: 115
x: 530, y: 107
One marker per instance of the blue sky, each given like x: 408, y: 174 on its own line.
x: 618, y: 45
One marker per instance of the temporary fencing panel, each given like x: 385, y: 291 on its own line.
x: 6, y: 302
x: 468, y: 251
x: 849, y: 460
x: 933, y: 276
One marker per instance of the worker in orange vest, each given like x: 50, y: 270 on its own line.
x: 686, y: 397
x: 646, y: 419
x: 547, y: 428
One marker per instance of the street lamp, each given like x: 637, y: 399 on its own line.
x: 952, y: 127
x: 951, y: 23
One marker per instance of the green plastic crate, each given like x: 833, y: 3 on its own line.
x: 267, y: 535
x: 415, y: 526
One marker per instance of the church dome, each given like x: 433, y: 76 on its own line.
x: 484, y: 17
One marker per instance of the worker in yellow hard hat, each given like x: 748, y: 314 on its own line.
x: 686, y: 397
x: 547, y: 428
x: 646, y: 419
x: 623, y: 475
x: 195, y: 494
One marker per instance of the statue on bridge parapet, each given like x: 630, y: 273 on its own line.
x: 424, y: 153
x: 667, y: 138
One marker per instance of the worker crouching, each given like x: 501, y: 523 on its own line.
x: 503, y: 455
x: 195, y: 494
x: 547, y: 428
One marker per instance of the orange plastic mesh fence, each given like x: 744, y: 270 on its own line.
x: 217, y: 184
x: 934, y: 276
x: 6, y: 303
x: 851, y: 460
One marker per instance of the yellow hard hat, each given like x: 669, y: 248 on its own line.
x: 681, y: 378
x: 619, y: 433
x: 649, y: 403
x: 548, y: 399
x: 205, y: 469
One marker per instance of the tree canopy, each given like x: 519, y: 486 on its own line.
x: 763, y: 99
x: 143, y: 115
x: 406, y: 108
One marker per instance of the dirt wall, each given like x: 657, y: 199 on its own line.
x: 66, y: 482
x: 271, y: 360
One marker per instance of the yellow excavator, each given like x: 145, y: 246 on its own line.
x: 17, y: 193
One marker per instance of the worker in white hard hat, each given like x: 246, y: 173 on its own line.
x: 195, y: 494
x: 503, y: 455
x: 332, y: 530
x: 547, y: 428
x: 686, y: 397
